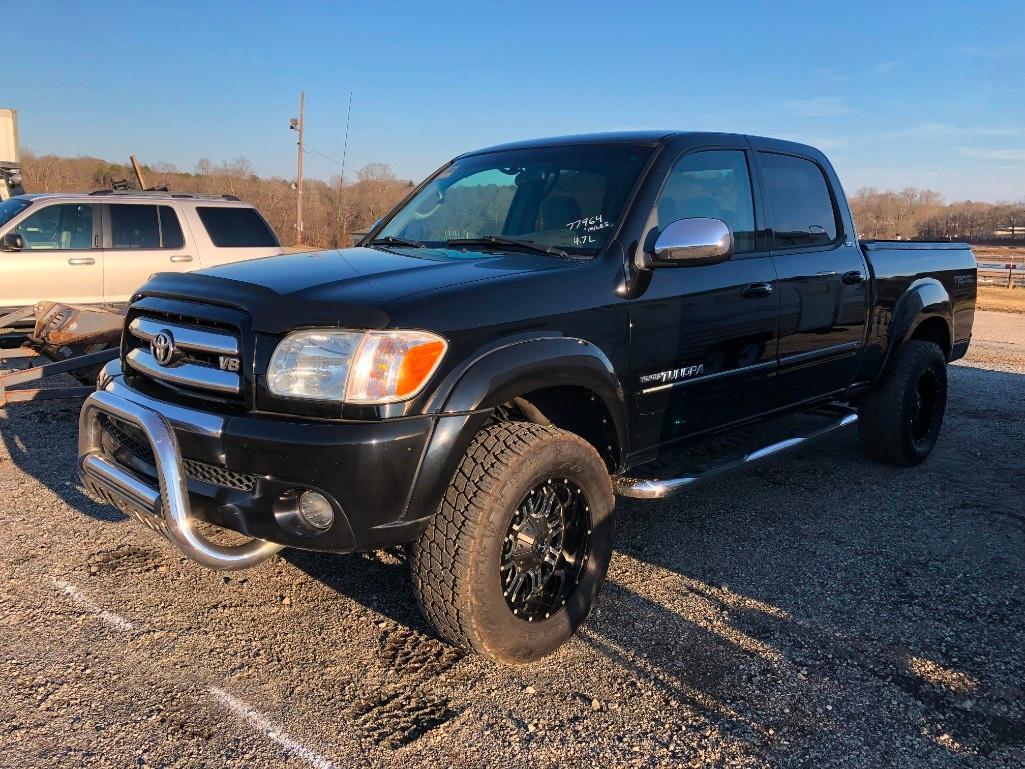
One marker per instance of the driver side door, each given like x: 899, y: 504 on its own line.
x: 61, y: 259
x: 704, y: 337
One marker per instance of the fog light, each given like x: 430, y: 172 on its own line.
x: 315, y: 510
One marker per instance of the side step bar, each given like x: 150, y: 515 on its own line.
x: 662, y: 488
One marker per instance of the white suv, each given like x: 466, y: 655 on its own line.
x: 97, y: 248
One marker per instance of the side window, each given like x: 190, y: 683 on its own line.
x: 712, y: 184
x: 171, y: 235
x: 134, y: 226
x: 800, y: 206
x: 58, y: 227
x: 231, y: 227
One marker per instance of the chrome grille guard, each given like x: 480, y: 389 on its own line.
x: 165, y: 510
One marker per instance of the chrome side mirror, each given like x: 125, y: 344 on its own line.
x: 12, y: 241
x: 688, y: 242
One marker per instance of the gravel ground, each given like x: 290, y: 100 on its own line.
x: 820, y: 611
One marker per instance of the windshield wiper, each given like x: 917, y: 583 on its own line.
x: 498, y: 240
x: 391, y: 240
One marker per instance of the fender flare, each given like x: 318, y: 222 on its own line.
x: 464, y: 400
x: 925, y: 298
x: 519, y: 367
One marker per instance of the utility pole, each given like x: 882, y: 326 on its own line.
x: 293, y: 124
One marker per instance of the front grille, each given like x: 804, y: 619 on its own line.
x: 190, y: 355
x: 139, y: 448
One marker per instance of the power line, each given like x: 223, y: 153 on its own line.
x: 338, y: 163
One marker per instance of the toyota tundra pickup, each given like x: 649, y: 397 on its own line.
x: 516, y: 343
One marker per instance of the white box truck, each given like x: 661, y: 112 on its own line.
x: 10, y: 158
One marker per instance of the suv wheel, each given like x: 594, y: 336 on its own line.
x: 900, y: 422
x: 515, y: 556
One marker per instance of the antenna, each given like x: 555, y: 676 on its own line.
x: 345, y: 146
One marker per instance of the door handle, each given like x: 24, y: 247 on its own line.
x: 181, y: 258
x: 853, y: 278
x: 756, y: 290
x: 79, y: 260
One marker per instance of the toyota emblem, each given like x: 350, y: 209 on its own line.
x: 162, y: 347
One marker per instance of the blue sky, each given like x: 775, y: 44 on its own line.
x: 929, y: 94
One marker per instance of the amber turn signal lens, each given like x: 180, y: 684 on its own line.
x: 393, y: 365
x: 417, y: 365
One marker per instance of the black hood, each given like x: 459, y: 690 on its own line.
x: 349, y: 287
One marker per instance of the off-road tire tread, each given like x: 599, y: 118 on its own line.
x: 440, y: 558
x: 881, y: 412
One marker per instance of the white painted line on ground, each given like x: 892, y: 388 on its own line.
x: 112, y: 619
x: 269, y: 728
x: 241, y: 709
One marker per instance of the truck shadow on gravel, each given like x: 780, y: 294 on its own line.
x: 827, y: 594
x: 379, y: 581
x: 42, y: 441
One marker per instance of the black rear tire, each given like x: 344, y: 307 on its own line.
x: 900, y: 421
x: 463, y: 566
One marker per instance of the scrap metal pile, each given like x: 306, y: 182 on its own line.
x: 65, y: 339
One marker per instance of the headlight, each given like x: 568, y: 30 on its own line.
x: 353, y: 366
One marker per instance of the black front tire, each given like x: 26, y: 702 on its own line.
x: 900, y: 421
x: 456, y: 564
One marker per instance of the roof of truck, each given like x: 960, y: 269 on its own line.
x: 627, y: 137
x: 636, y: 137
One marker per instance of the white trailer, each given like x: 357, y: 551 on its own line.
x: 10, y: 157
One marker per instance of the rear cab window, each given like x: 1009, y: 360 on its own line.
x: 230, y: 227
x: 801, y: 210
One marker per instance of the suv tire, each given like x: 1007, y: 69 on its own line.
x: 486, y: 573
x: 900, y: 421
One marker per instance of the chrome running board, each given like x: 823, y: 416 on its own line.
x: 661, y: 488
x: 164, y: 509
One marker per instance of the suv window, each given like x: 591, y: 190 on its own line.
x: 715, y: 184
x: 171, y: 235
x: 58, y: 227
x: 236, y: 227
x: 141, y: 226
x: 800, y: 206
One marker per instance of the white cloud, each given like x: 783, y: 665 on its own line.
x: 1005, y: 154
x: 820, y: 106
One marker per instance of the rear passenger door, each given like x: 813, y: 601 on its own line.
x: 139, y: 240
x: 823, y: 279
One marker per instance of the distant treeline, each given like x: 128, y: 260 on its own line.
x: 917, y: 214
x: 332, y: 211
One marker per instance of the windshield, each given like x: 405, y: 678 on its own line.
x: 10, y: 208
x: 568, y: 197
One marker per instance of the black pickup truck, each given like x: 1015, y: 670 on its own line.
x: 508, y: 349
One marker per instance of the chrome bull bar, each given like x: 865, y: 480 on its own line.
x: 165, y: 510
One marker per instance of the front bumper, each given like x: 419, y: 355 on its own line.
x: 170, y: 467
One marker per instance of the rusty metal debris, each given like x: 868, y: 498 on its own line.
x: 72, y: 339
